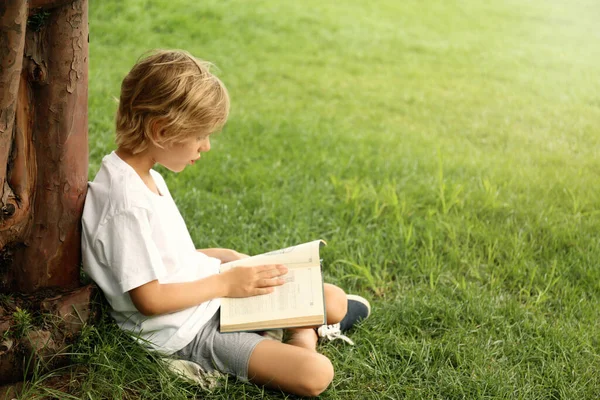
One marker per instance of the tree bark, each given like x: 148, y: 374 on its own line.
x: 44, y: 155
x: 16, y: 179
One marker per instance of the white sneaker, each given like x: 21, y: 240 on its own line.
x: 333, y: 332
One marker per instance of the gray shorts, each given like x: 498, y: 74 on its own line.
x: 225, y: 352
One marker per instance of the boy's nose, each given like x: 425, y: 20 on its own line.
x: 204, y: 145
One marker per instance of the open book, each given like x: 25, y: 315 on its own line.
x: 298, y: 302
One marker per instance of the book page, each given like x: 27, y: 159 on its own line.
x: 301, y: 294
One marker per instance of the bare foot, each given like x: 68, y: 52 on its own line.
x: 303, y: 337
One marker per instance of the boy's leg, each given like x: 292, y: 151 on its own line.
x: 336, y: 303
x: 289, y: 368
x: 248, y: 355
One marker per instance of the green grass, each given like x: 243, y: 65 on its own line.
x: 447, y: 151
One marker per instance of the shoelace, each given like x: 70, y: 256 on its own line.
x: 333, y: 332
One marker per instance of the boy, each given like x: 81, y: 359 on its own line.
x: 138, y: 250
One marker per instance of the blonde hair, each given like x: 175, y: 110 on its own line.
x: 167, y: 97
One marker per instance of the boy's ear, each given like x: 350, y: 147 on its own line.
x: 157, y: 131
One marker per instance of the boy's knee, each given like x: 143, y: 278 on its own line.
x: 317, y: 373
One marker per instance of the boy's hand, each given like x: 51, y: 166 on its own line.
x: 253, y: 281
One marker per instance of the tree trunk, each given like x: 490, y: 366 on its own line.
x: 43, y: 178
x: 43, y: 143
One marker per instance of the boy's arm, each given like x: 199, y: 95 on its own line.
x: 154, y: 298
x: 225, y: 255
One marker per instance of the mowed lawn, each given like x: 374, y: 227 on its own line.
x: 447, y: 151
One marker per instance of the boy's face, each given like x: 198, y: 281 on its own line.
x: 177, y: 156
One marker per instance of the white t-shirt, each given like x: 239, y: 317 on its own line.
x: 132, y: 236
